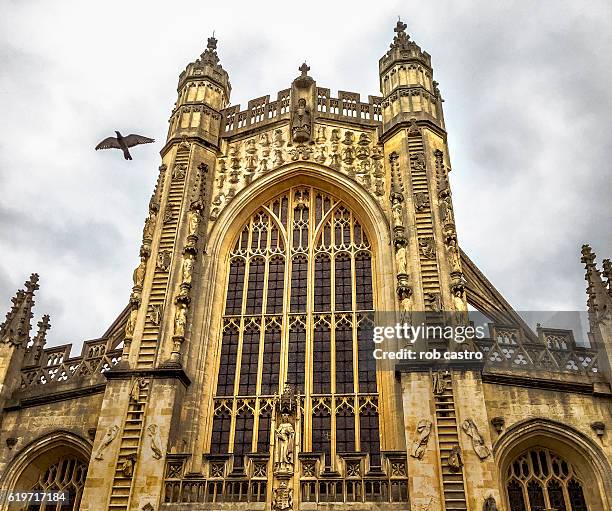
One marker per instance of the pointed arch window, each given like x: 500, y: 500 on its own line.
x: 539, y: 479
x: 298, y: 309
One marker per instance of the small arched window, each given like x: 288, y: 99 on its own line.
x: 540, y: 480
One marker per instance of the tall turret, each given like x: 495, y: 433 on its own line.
x: 203, y: 91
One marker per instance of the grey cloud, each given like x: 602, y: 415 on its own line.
x: 527, y: 112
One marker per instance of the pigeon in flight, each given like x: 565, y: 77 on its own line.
x: 121, y: 142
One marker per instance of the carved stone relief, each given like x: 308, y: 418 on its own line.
x: 470, y: 429
x: 111, y: 434
x: 419, y: 445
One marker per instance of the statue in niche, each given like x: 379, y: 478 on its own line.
x: 301, y: 124
x: 187, y: 270
x: 396, y: 209
x: 470, y: 429
x: 423, y: 430
x: 428, y: 248
x: 489, y: 504
x: 278, y: 138
x: 453, y: 255
x: 348, y: 138
x: 139, y: 272
x: 320, y: 154
x: 283, y: 452
x: 155, y: 313
x: 180, y: 320
x: 149, y: 226
x: 439, y: 383
x: 335, y: 136
x: 400, y: 255
x: 278, y: 158
x: 455, y: 461
x: 193, y: 220
x: 348, y: 155
x: 130, y: 326
x: 127, y: 467
x: 321, y: 136
x: 264, y: 140
x: 153, y: 432
x: 446, y: 210
x: 163, y: 260
x: 110, y: 435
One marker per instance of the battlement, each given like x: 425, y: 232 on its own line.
x: 347, y: 107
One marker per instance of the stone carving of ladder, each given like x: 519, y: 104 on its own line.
x: 448, y: 437
x: 131, y: 438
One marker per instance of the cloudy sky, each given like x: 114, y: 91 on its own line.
x: 527, y: 106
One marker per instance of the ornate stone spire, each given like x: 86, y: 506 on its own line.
x: 401, y: 39
x: 40, y: 339
x: 210, y: 53
x: 599, y: 300
x: 16, y: 327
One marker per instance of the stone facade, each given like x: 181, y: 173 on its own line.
x: 137, y: 421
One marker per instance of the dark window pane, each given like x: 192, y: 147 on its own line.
x: 321, y: 433
x: 369, y: 433
x: 299, y: 282
x: 263, y: 437
x: 367, y: 362
x: 271, y: 360
x: 297, y: 357
x: 344, y: 359
x: 515, y: 495
x: 255, y: 287
x: 276, y: 285
x: 576, y: 496
x: 248, y: 367
x: 227, y: 364
x: 321, y: 360
x: 235, y: 285
x: 536, y: 496
x: 344, y: 289
x: 322, y: 284
x: 555, y: 496
x: 363, y: 284
x: 219, y: 443
x: 345, y: 431
x: 243, y: 436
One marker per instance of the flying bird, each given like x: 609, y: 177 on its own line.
x: 121, y: 142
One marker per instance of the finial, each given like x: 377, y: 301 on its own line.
x: 401, y: 39
x: 212, y: 42
x: 304, y: 69
x: 588, y: 257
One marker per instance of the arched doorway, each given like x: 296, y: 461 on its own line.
x: 53, y: 465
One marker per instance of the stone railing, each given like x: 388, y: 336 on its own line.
x: 261, y: 111
x: 356, y: 480
x: 55, y: 365
x: 221, y: 482
x: 555, y: 352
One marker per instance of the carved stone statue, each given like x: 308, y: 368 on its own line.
x: 423, y: 430
x: 187, y: 269
x: 180, y: 320
x: 153, y: 432
x: 400, y: 256
x: 149, y: 226
x: 477, y: 441
x: 139, y: 273
x: 131, y: 323
x: 428, y: 247
x: 193, y: 218
x: 446, y: 210
x: 453, y: 255
x: 396, y: 209
x: 301, y: 124
x: 127, y: 467
x: 110, y: 435
x: 439, y: 383
x: 455, y: 461
x: 154, y: 315
x: 489, y: 504
x: 283, y: 450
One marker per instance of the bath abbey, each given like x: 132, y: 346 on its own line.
x: 240, y: 374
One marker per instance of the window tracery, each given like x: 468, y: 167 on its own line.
x: 539, y: 479
x: 297, y: 310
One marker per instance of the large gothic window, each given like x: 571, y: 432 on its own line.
x: 66, y: 478
x: 539, y: 480
x: 298, y: 310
